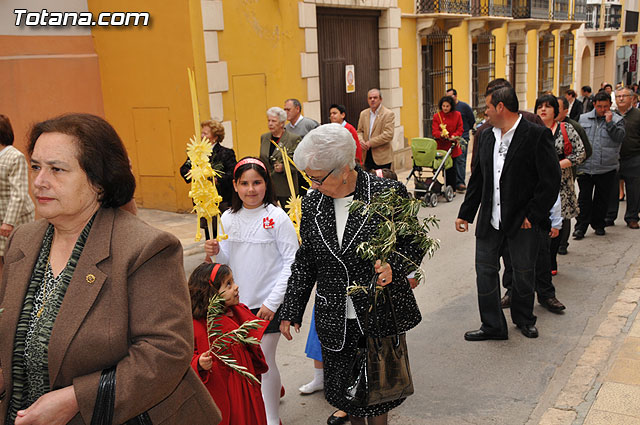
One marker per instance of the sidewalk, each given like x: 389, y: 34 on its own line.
x: 604, y: 388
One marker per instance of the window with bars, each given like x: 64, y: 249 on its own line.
x: 437, y: 74
x: 631, y: 21
x: 545, y: 68
x: 593, y: 16
x: 600, y: 48
x: 483, y: 65
x: 612, y: 16
x: 566, y: 62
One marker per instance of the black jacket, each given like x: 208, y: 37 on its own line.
x: 576, y: 110
x: 320, y: 260
x: 529, y: 183
x: 222, y: 160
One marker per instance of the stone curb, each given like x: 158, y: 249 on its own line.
x: 579, y: 393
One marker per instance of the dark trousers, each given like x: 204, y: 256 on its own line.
x: 557, y: 242
x: 593, y: 199
x: 544, y: 284
x: 450, y: 175
x: 565, y: 232
x: 370, y: 164
x: 630, y: 173
x: 523, y: 251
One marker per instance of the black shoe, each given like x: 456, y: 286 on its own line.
x: 505, y: 302
x: 552, y: 304
x: 600, y: 231
x: 578, y: 234
x: 337, y: 420
x: 608, y: 223
x: 562, y: 250
x: 530, y: 331
x: 481, y: 335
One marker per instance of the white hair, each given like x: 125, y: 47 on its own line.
x: 628, y: 89
x: 277, y: 112
x: 328, y: 147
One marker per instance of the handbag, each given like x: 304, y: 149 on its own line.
x: 380, y: 370
x: 105, y: 401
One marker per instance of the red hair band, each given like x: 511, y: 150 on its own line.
x: 214, y: 272
x: 249, y: 161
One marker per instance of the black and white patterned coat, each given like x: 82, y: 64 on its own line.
x: 320, y: 260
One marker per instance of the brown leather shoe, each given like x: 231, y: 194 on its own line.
x: 633, y: 225
x: 505, y: 302
x: 552, y: 304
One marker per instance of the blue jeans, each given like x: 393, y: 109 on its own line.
x: 523, y: 251
x: 460, y: 164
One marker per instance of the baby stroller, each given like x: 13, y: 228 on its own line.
x: 426, y: 155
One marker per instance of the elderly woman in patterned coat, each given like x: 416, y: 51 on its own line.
x: 327, y: 256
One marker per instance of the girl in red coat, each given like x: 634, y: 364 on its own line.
x: 238, y: 398
x: 451, y: 120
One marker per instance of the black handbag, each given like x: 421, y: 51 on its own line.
x: 105, y: 401
x: 380, y: 370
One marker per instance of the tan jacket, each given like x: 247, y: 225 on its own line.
x: 381, y: 135
x: 127, y: 304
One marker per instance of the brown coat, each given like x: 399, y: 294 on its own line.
x: 381, y: 134
x: 136, y: 314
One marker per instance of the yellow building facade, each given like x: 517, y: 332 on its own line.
x: 252, y: 55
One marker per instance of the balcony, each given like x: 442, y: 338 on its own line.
x: 491, y: 8
x: 444, y: 6
x: 531, y: 9
x: 561, y: 10
x: 579, y: 10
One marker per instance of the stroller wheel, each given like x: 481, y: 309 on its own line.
x: 449, y: 194
x: 432, y: 199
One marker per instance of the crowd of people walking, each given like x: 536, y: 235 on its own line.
x: 99, y: 277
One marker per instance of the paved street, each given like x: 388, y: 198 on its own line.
x: 497, y: 382
x: 494, y: 382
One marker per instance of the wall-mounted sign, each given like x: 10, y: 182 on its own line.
x: 633, y: 60
x: 350, y: 78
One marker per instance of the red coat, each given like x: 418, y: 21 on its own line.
x: 239, y: 400
x: 453, y: 121
x: 354, y: 134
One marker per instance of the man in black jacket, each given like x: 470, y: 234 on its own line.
x: 575, y: 106
x: 515, y: 183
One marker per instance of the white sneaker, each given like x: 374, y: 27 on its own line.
x: 311, y: 387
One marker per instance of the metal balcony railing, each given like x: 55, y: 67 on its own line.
x: 491, y: 7
x: 443, y: 6
x: 579, y: 10
x: 561, y: 10
x: 538, y: 9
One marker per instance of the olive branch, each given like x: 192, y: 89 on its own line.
x: 399, y: 220
x: 220, y: 342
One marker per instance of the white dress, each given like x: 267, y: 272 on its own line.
x: 261, y: 246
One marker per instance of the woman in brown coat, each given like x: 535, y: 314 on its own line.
x: 89, y: 287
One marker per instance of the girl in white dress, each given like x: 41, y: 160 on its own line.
x: 261, y: 246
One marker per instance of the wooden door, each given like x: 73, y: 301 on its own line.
x: 347, y: 37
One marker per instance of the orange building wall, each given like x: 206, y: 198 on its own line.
x: 44, y: 76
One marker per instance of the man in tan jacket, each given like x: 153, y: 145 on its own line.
x: 375, y: 132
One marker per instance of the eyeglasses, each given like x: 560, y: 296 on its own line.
x: 622, y: 96
x: 320, y: 181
